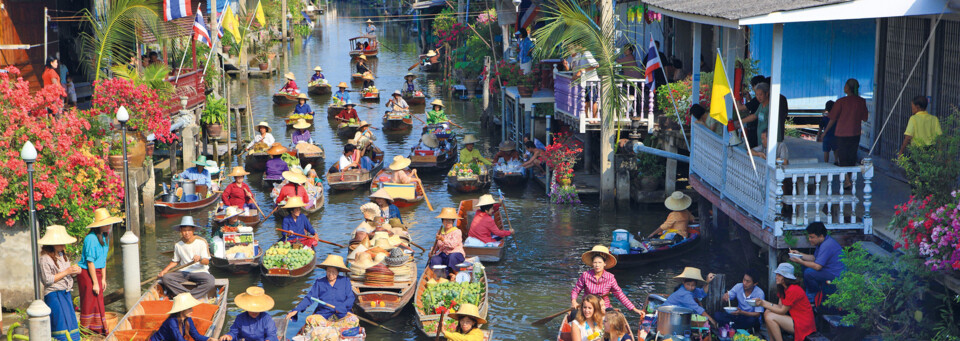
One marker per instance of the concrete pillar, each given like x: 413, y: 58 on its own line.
x: 131, y: 269
x: 149, y: 189
x: 670, y: 175
x: 39, y: 316
x: 486, y: 84
x: 189, y: 144
x: 589, y: 156
x: 133, y: 184
x: 773, y: 119
x: 695, y: 84
x: 771, y: 265
x: 623, y: 180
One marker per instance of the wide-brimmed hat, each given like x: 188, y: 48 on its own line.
x: 277, y: 149
x: 302, y: 96
x: 431, y: 53
x: 430, y: 140
x: 334, y: 261
x: 343, y: 85
x: 470, y: 138
x: 381, y: 194
x: 467, y: 309
x: 399, y: 162
x: 786, y: 270
x: 201, y: 161
x: 318, y: 68
x: 238, y: 171
x: 363, y: 124
x: 358, y: 250
x: 289, y: 75
x: 369, y: 21
x: 437, y: 102
x: 254, y: 300
x: 485, y: 200
x: 370, y: 208
x: 508, y: 146
x: 301, y: 124
x: 102, y: 217
x: 230, y: 212
x: 368, y: 76
x: 183, y: 302
x: 448, y: 213
x: 265, y: 125
x: 349, y: 104
x: 56, y: 235
x: 186, y: 221
x: 383, y: 243
x: 691, y: 273
x: 410, y: 74
x: 365, y: 260
x: 294, y: 202
x: 212, y: 167
x: 362, y: 57
x: 397, y: 257
x: 678, y: 201
x: 600, y: 250
x: 397, y: 93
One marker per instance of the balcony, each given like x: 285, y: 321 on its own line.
x: 570, y: 102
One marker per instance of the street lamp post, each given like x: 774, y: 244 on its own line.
x: 129, y: 240
x: 123, y: 117
x: 38, y: 312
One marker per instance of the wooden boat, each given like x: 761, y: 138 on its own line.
x: 151, y: 309
x: 356, y: 77
x: 309, y: 158
x: 393, y: 298
x: 664, y: 249
x: 319, y: 89
x: 511, y: 180
x: 165, y: 208
x: 397, y: 122
x: 370, y: 95
x: 283, y: 325
x: 283, y: 277
x: 253, y: 218
x: 354, y: 178
x: 439, y: 162
x: 428, y: 319
x: 333, y: 110
x: 471, y: 185
x: 318, y: 203
x: 371, y: 51
x: 347, y: 130
x: 237, y: 266
x: 486, y: 254
x: 284, y: 98
x: 414, y: 98
x: 256, y: 161
x: 291, y: 121
x: 399, y: 192
x: 270, y: 183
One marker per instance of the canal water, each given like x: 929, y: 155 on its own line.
x: 543, y: 257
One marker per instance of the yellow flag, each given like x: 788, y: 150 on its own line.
x: 718, y: 106
x: 231, y: 24
x: 260, y: 16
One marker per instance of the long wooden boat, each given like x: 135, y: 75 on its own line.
x: 370, y: 52
x: 397, y: 122
x: 414, y: 98
x: 370, y: 95
x: 179, y: 208
x: 284, y: 98
x: 347, y: 130
x: 283, y: 325
x: 237, y: 266
x: 382, y: 303
x: 250, y: 219
x: 382, y: 179
x: 471, y: 185
x: 151, y: 309
x: 356, y: 77
x: 283, y: 277
x: 256, y: 161
x: 512, y: 180
x: 354, y: 178
x: 434, y: 161
x: 319, y: 89
x: 333, y: 110
x: 318, y: 203
x: 428, y: 320
x: 487, y: 254
x: 661, y: 252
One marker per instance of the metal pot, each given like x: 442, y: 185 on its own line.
x: 189, y: 186
x: 673, y: 320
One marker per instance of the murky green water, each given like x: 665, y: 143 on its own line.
x: 543, y: 257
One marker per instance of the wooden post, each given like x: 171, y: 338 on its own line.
x: 134, y: 213
x: 623, y: 181
x: 718, y: 287
x: 607, y: 128
x: 771, y: 266
x: 226, y: 94
x: 149, y: 189
x: 283, y: 20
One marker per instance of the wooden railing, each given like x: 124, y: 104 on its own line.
x: 190, y: 85
x: 570, y: 100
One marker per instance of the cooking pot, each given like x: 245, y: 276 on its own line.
x: 673, y: 319
x: 189, y: 186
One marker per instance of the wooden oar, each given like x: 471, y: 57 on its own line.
x: 551, y: 317
x: 440, y: 325
x: 116, y: 295
x: 424, y: 191
x: 418, y: 118
x: 306, y: 236
x: 265, y: 217
x: 415, y: 65
x: 503, y: 210
x: 358, y: 316
x: 255, y: 204
x: 421, y: 247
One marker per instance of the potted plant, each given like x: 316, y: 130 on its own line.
x: 214, y: 114
x: 652, y: 168
x: 115, y: 154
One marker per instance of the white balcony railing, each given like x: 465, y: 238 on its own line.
x: 570, y: 101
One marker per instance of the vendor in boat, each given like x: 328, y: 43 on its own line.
x: 237, y: 193
x: 823, y: 265
x: 536, y: 156
x: 352, y: 158
x: 484, y: 231
x: 317, y: 74
x: 290, y: 87
x: 333, y: 289
x: 362, y: 67
x: 342, y: 95
x: 263, y: 136
x: 229, y: 223
x: 597, y: 281
x: 92, y: 281
x: 368, y: 80
x: 449, y: 242
x: 294, y: 187
x: 255, y: 324
x: 508, y: 152
x: 468, y: 324
x: 400, y: 173
x: 431, y: 58
x: 275, y: 166
x: 189, y: 249
x: 179, y: 325
x: 349, y: 113
x: 469, y: 154
x: 397, y: 103
x: 388, y: 210
x: 588, y: 320
x: 793, y: 314
x: 437, y: 115
x: 198, y: 173
x: 688, y: 295
x: 675, y: 226
x: 57, y: 274
x: 298, y: 223
x: 364, y: 137
x: 408, y: 84
x: 371, y: 30
x: 746, y: 316
x: 301, y: 134
x: 302, y: 107
x: 371, y: 212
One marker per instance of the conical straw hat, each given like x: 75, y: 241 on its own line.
x: 294, y: 176
x: 470, y: 138
x: 301, y: 124
x: 381, y: 194
x: 678, y: 201
x: 294, y: 202
x: 399, y: 162
x: 56, y: 235
x: 334, y: 261
x: 254, y: 300
x: 102, y: 217
x: 290, y: 76
x: 467, y: 309
x: 690, y: 273
x: 486, y: 199
x: 342, y: 85
x: 238, y: 171
x: 183, y: 302
x: 448, y: 213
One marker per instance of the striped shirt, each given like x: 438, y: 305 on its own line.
x: 607, y: 284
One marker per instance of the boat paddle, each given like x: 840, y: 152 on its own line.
x: 265, y: 217
x: 116, y: 295
x: 255, y: 204
x: 358, y: 316
x: 503, y: 209
x: 308, y: 237
x: 440, y: 325
x: 544, y: 320
x: 425, y: 197
x: 415, y: 244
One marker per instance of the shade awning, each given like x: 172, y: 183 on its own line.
x: 736, y: 13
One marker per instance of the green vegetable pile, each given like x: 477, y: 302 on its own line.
x: 283, y: 255
x: 292, y: 161
x: 448, y: 296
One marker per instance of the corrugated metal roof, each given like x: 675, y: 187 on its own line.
x: 427, y: 4
x: 737, y: 9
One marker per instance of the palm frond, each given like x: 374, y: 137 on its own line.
x: 111, y: 37
x: 153, y: 76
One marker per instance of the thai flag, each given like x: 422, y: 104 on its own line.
x: 220, y: 27
x: 200, y: 31
x: 653, y: 62
x: 529, y: 16
x: 174, y: 9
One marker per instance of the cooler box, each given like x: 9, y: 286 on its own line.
x: 620, y: 244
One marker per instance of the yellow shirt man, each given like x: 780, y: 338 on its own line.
x: 470, y: 156
x: 923, y: 128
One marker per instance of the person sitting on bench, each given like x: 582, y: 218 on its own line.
x: 189, y: 249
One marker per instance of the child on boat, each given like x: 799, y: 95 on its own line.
x: 468, y: 323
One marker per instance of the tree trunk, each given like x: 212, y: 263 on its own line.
x: 607, y: 134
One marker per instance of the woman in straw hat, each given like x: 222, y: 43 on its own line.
x: 678, y: 220
x: 449, y: 241
x: 507, y: 152
x: 371, y: 213
x: 597, y: 281
x: 342, y: 96
x: 179, y: 325
x: 371, y: 30
x: 301, y: 134
x: 237, y: 193
x: 291, y: 86
x: 368, y: 80
x: 263, y: 135
x: 388, y: 210
x: 364, y: 137
x: 57, y: 273
x: 484, y: 230
x: 92, y: 279
x: 469, y: 154
x: 400, y: 171
x: 317, y: 74
x: 688, y: 295
x: 437, y: 115
x: 333, y: 289
x: 397, y: 103
x: 275, y: 166
x: 588, y: 320
x: 349, y: 113
x: 298, y: 223
x: 362, y: 65
x: 468, y: 324
x: 302, y: 107
x: 408, y: 84
x: 256, y: 324
x: 793, y: 314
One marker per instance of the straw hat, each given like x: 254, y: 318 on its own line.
x: 290, y: 76
x: 102, y: 217
x: 370, y: 208
x: 365, y: 260
x: 183, y: 302
x: 429, y: 140
x: 448, y: 213
x: 254, y: 300
x: 369, y: 21
x: 238, y: 171
x: 784, y: 269
x: 350, y: 104
x: 294, y: 202
x: 692, y: 273
x: 364, y: 124
x: 470, y: 138
x: 382, y: 194
x: 601, y: 250
x: 201, y: 161
x: 508, y: 146
x: 211, y: 167
x: 410, y: 74
x: 230, y: 212
x: 186, y: 221
x: 383, y: 243
x: 378, y: 235
x: 343, y: 85
x: 431, y: 53
x: 397, y: 93
x: 318, y: 68
x: 334, y: 261
x: 368, y: 76
x: 486, y: 199
x: 265, y: 125
x: 399, y: 162
x: 397, y: 257
x: 301, y: 124
x: 395, y: 240
x: 302, y: 96
x: 56, y: 235
x: 437, y: 102
x: 277, y: 149
x: 678, y: 201
x: 363, y: 57
x: 353, y: 254
x: 467, y: 309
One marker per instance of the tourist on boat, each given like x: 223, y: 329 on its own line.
x: 92, y: 280
x: 793, y: 314
x: 317, y: 74
x: 348, y: 113
x: 313, y: 178
x: 388, y: 210
x: 469, y: 154
x: 190, y: 248
x: 587, y: 324
x: 400, y: 173
x: 352, y: 159
x: 359, y: 46
x: 397, y: 103
x: 679, y: 219
x: 298, y: 223
x: 508, y: 152
x: 302, y: 107
x: 468, y: 324
x: 364, y: 137
x: 362, y: 67
x: 536, y: 156
x: 449, y: 241
x: 437, y: 116
x: 291, y: 86
x: 484, y: 230
x: 198, y: 173
x: 275, y: 166
x: 237, y: 193
x: 342, y: 95
x: 823, y: 265
x: 301, y: 134
x: 333, y: 289
x: 371, y: 30
x: 367, y: 80
x: 747, y: 316
x: 615, y: 327
x: 179, y: 325
x: 371, y: 212
x: 229, y: 223
x: 688, y: 295
x: 57, y: 273
x: 597, y: 281
x: 409, y: 86
x: 255, y: 324
x: 366, y: 46
x: 263, y: 136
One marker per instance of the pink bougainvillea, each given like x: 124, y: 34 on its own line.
x: 932, y: 231
x: 147, y: 109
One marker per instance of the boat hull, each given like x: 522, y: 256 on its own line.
x: 284, y: 98
x: 509, y: 180
x: 375, y: 184
x: 352, y: 179
x: 370, y: 96
x: 415, y: 100
x: 655, y: 256
x: 282, y: 277
x: 468, y: 186
x: 150, y: 311
x: 333, y: 110
x: 322, y: 89
x: 486, y: 254
x: 181, y: 208
x: 394, y: 298
x: 347, y: 131
x: 256, y: 162
x: 237, y: 266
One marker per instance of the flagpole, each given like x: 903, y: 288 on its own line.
x: 185, y: 50
x: 214, y: 38
x: 736, y: 109
x: 672, y: 100
x: 254, y: 16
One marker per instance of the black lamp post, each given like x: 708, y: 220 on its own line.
x: 123, y: 117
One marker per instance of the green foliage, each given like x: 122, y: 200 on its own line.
x: 790, y: 129
x: 153, y: 76
x: 948, y: 328
x: 651, y: 165
x: 302, y: 30
x: 444, y: 21
x: 215, y: 111
x: 933, y: 170
x: 751, y: 67
x: 882, y: 293
x: 469, y: 57
x: 112, y: 33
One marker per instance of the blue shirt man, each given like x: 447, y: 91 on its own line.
x: 260, y: 328
x: 342, y: 95
x: 198, y: 173
x: 340, y: 295
x: 303, y: 108
x: 526, y: 47
x: 687, y: 299
x: 824, y: 264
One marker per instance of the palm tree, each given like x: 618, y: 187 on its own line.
x: 113, y: 32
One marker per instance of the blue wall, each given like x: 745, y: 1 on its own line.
x: 818, y: 57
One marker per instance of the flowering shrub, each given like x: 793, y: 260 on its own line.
x: 71, y: 178
x: 681, y: 92
x: 561, y: 156
x: 451, y: 35
x: 512, y: 75
x: 934, y: 231
x: 147, y: 109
